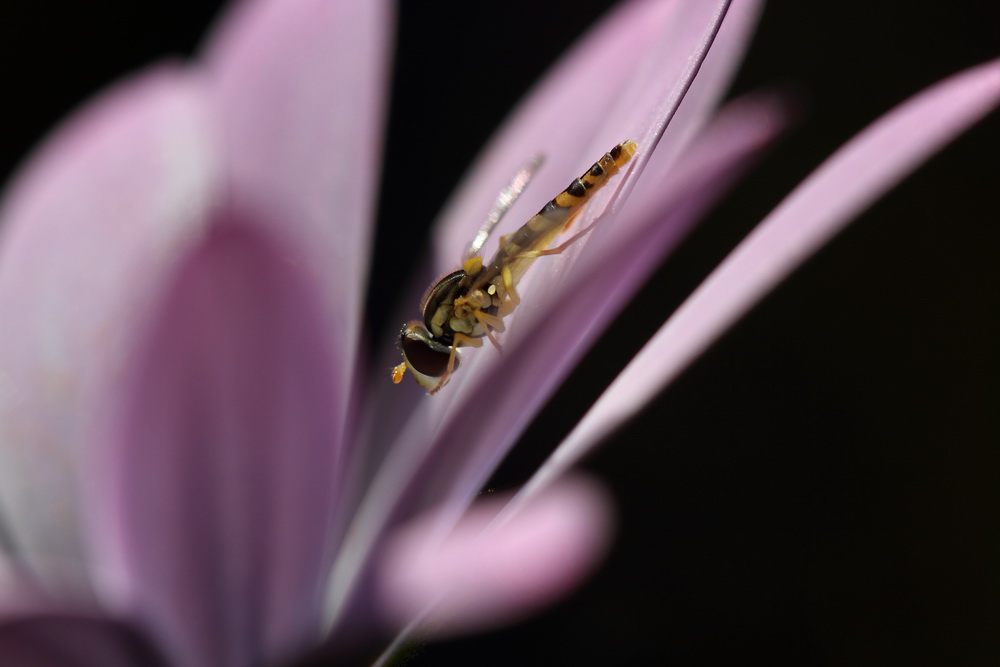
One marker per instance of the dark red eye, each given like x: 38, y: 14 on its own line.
x: 424, y: 358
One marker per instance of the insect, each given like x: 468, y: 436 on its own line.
x: 470, y: 304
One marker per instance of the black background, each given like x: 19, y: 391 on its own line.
x: 822, y: 486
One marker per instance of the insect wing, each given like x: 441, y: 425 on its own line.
x: 504, y: 201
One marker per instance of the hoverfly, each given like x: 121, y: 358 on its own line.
x: 470, y: 304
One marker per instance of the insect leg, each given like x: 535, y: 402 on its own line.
x: 489, y: 323
x: 460, y: 340
x: 509, y: 288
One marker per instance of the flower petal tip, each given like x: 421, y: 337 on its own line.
x: 489, y: 573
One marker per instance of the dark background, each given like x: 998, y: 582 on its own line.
x: 821, y: 487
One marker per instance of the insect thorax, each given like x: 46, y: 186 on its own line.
x: 451, y: 304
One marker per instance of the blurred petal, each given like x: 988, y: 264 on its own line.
x: 832, y: 196
x: 87, y: 230
x: 67, y: 639
x: 302, y: 89
x: 488, y: 573
x: 212, y: 500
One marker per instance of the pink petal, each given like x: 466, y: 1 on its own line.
x: 537, y: 358
x: 301, y: 87
x: 616, y: 84
x: 486, y: 573
x: 595, y: 72
x: 70, y: 639
x: 87, y: 229
x: 212, y: 499
x: 457, y: 462
x: 648, y: 65
x: 848, y: 182
x: 662, y: 185
x: 700, y: 103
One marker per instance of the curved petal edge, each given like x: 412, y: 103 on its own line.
x: 850, y: 180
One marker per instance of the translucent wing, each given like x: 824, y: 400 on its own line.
x: 504, y: 201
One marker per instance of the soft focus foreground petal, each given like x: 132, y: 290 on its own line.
x: 302, y: 89
x: 86, y: 231
x: 827, y: 200
x: 68, y: 639
x: 212, y: 499
x: 488, y: 573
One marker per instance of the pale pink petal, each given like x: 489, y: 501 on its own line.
x: 652, y: 178
x: 629, y: 70
x: 537, y: 358
x: 643, y: 55
x: 486, y: 573
x: 301, y: 87
x: 211, y: 500
x: 700, y: 102
x: 831, y: 197
x: 85, y: 233
x: 455, y: 460
x: 556, y: 279
x: 659, y: 40
x: 641, y: 114
x: 620, y: 82
x: 515, y: 385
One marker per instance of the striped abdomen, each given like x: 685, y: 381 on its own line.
x: 539, y: 232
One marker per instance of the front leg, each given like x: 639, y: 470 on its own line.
x: 460, y: 340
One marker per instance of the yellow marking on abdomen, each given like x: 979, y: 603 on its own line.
x: 538, y: 232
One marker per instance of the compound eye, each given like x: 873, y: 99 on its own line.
x: 423, y: 355
x: 422, y: 358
